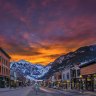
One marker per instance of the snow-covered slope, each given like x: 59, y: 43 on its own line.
x: 28, y: 70
x: 81, y: 56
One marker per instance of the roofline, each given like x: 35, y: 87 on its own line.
x: 5, y: 53
x: 87, y: 64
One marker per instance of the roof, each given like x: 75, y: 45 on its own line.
x: 5, y: 53
x: 87, y: 64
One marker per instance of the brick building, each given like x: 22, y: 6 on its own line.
x: 4, y: 68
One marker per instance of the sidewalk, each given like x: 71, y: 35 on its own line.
x: 16, y: 92
x: 8, y: 89
x: 4, y: 89
x: 84, y: 93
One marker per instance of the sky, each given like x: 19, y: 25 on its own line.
x: 39, y: 31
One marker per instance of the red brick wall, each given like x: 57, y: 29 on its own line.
x: 91, y: 69
x: 5, y: 66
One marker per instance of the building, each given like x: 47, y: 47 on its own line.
x: 17, y: 79
x: 70, y: 77
x: 88, y: 73
x: 57, y: 78
x: 4, y: 68
x: 75, y: 76
x: 13, y: 79
x: 66, y: 78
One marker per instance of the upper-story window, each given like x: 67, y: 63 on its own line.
x: 59, y: 77
x: 78, y: 72
x: 63, y: 76
x: 0, y: 69
x: 0, y: 58
x: 73, y: 73
x: 67, y: 75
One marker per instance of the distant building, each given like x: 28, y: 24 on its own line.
x: 58, y: 76
x: 4, y: 68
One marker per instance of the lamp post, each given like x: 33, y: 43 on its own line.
x: 81, y: 84
x: 15, y: 79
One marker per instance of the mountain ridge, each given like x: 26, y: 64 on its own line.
x: 28, y: 70
x: 81, y: 55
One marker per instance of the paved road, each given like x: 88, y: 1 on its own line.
x: 29, y: 91
x: 45, y: 92
x: 16, y: 92
x: 53, y: 92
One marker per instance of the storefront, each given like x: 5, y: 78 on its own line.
x: 75, y: 77
x: 4, y: 68
x: 88, y: 72
x: 4, y: 82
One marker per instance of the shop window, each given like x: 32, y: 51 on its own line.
x: 95, y: 81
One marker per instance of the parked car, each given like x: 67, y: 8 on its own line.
x: 55, y: 87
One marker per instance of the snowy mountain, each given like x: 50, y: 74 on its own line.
x: 35, y: 71
x: 29, y: 70
x: 80, y: 56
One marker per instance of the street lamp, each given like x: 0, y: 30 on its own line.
x: 80, y: 76
x: 81, y: 84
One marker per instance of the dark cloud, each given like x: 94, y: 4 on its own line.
x: 36, y: 27
x: 53, y: 56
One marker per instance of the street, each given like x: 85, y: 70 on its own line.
x: 15, y: 92
x: 29, y: 91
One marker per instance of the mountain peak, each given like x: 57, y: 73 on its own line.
x: 22, y: 61
x: 27, y: 69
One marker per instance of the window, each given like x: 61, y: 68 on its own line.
x: 4, y: 70
x: 59, y: 77
x: 63, y: 76
x: 78, y: 72
x: 0, y: 69
x: 0, y: 58
x: 74, y: 73
x: 67, y: 75
x: 6, y: 62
